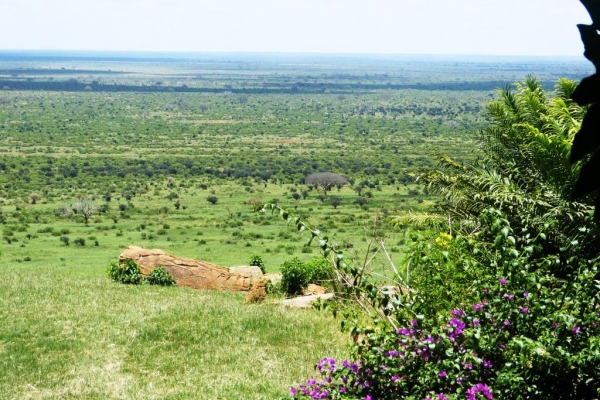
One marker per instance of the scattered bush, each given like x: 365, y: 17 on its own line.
x: 160, y: 276
x: 296, y: 275
x: 257, y: 261
x: 128, y: 273
x: 79, y: 242
x: 65, y: 240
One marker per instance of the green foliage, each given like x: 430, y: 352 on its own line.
x: 521, y: 332
x: 128, y: 273
x: 160, y: 276
x: 257, y: 261
x: 524, y: 168
x: 296, y: 275
x: 212, y: 199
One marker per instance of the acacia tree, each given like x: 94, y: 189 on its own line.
x: 86, y: 208
x: 326, y: 180
x: 34, y: 197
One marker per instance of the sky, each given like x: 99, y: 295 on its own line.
x: 478, y: 27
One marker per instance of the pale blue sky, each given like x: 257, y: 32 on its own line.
x: 503, y: 27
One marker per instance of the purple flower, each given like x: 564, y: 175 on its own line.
x: 442, y: 374
x: 502, y: 345
x: 342, y: 389
x: 442, y: 397
x: 457, y: 313
x: 509, y: 296
x: 525, y: 294
x: 575, y: 330
x: 487, y: 364
x: 293, y: 391
x: 368, y: 397
x: 475, y: 322
x: 477, y: 307
x: 503, y: 281
x: 479, y: 388
x: 506, y: 322
x: 395, y: 378
x: 467, y: 366
x: 459, y: 380
x: 524, y: 310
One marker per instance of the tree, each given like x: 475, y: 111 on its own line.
x: 335, y: 201
x: 296, y: 196
x: 523, y: 171
x: 326, y: 180
x: 34, y: 197
x: 212, y: 199
x: 86, y: 208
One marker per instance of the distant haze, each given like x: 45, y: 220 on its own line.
x: 507, y: 27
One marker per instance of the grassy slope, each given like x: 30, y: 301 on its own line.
x: 67, y: 336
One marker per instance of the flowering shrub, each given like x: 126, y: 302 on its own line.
x: 528, y: 333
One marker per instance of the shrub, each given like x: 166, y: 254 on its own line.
x: 296, y: 275
x: 212, y: 199
x: 79, y: 242
x: 65, y: 240
x: 127, y: 273
x: 160, y: 276
x: 257, y: 261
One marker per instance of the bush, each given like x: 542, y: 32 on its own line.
x: 65, y: 240
x: 296, y: 275
x: 212, y: 199
x: 128, y: 273
x: 522, y: 332
x: 160, y: 276
x: 79, y: 242
x: 257, y: 261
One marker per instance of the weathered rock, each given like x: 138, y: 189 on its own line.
x: 273, y: 278
x: 247, y: 270
x: 306, y: 301
x: 187, y: 272
x: 257, y: 293
x: 313, y: 289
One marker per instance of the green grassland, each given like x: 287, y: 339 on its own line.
x: 147, y: 142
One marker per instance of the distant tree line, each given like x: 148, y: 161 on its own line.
x: 73, y: 85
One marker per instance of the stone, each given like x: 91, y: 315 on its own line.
x: 257, y: 293
x: 273, y: 278
x: 187, y: 272
x: 247, y: 270
x: 306, y: 301
x: 313, y: 289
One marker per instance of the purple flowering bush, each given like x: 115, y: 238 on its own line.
x: 522, y: 332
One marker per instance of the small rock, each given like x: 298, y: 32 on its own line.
x: 313, y: 289
x: 273, y: 278
x: 257, y: 293
x: 306, y: 301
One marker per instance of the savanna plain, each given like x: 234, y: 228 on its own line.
x: 178, y: 152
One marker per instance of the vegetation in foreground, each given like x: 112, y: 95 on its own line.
x: 505, y: 303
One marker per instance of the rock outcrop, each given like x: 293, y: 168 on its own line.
x: 187, y: 272
x: 257, y: 293
x: 313, y: 289
x: 247, y: 270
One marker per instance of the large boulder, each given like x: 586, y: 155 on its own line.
x: 250, y: 271
x: 187, y: 272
